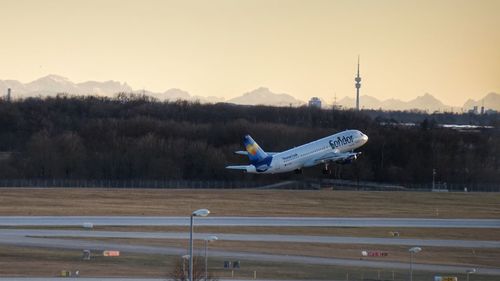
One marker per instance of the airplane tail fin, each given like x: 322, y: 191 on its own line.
x: 255, y: 153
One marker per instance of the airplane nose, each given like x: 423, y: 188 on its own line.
x: 365, y: 138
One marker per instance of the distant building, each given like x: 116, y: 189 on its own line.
x: 315, y: 102
x: 474, y: 110
x: 8, y: 95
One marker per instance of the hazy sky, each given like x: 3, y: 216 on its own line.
x: 450, y: 49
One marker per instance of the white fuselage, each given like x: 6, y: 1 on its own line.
x: 316, y: 152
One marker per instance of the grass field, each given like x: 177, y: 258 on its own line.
x: 16, y: 261
x: 325, y: 203
x: 168, y: 202
x: 431, y: 255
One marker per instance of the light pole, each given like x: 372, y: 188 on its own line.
x: 207, y: 240
x: 470, y: 271
x: 412, y: 251
x: 197, y: 213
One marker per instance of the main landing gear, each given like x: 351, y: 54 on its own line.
x: 326, y: 171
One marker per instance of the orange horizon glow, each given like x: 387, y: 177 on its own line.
x: 448, y: 48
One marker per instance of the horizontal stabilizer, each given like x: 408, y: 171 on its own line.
x: 246, y: 168
x: 238, y: 167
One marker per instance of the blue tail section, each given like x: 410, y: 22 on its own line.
x: 255, y: 153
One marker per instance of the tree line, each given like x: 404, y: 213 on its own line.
x: 137, y: 137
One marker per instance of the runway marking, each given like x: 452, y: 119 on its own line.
x: 254, y: 237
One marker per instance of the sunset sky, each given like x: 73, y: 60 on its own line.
x: 450, y: 49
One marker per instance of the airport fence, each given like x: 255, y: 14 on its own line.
x: 344, y: 273
x: 455, y: 187
x: 309, y: 183
x: 169, y: 184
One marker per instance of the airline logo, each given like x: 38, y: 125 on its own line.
x: 341, y: 141
x: 252, y: 148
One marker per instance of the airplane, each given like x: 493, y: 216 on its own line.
x: 337, y: 148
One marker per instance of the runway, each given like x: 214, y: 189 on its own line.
x: 9, y: 233
x: 247, y: 221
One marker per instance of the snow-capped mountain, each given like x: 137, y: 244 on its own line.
x: 103, y: 88
x: 426, y: 102
x: 264, y: 96
x: 490, y: 101
x: 53, y: 84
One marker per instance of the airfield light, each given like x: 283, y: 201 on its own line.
x: 412, y: 251
x: 207, y: 240
x: 415, y: 250
x: 201, y: 213
x: 197, y: 213
x: 470, y: 271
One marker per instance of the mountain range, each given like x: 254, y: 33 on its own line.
x: 264, y: 96
x: 426, y: 102
x: 53, y: 84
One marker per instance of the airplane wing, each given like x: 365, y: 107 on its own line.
x: 242, y: 152
x: 336, y: 157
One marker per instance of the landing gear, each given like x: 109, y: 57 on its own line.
x: 298, y: 172
x: 326, y: 171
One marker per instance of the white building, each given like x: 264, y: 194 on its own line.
x: 315, y: 102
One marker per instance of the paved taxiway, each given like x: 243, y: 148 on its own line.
x: 9, y: 233
x: 247, y: 221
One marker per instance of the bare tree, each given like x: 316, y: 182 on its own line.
x: 180, y: 272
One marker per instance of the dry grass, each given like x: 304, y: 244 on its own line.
x: 17, y: 261
x: 168, y: 202
x: 432, y: 255
x: 49, y: 262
